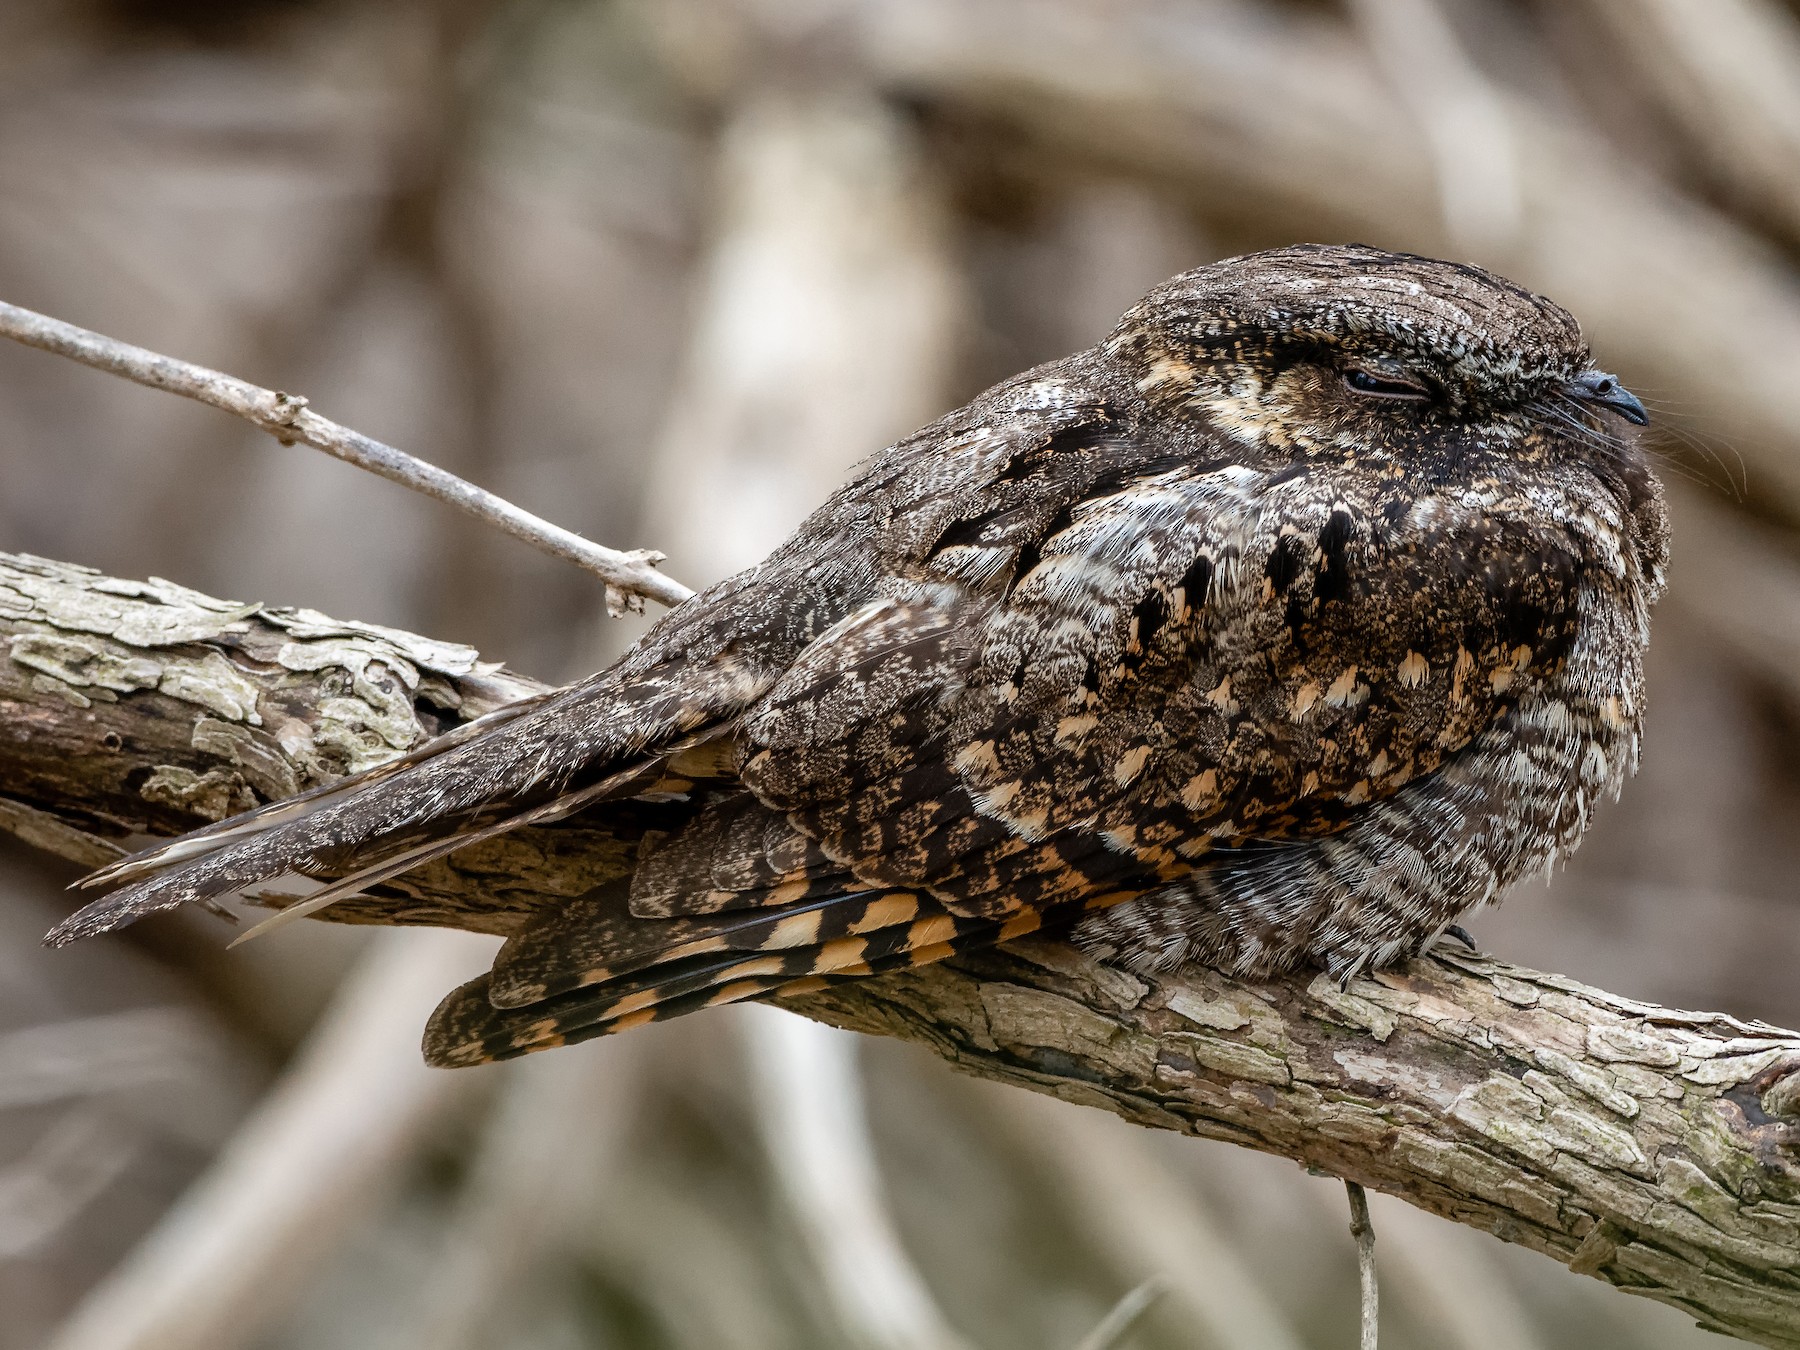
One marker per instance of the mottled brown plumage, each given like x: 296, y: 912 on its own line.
x: 1299, y: 616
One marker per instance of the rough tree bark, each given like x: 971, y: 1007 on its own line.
x: 1655, y: 1149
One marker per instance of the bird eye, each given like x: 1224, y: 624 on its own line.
x: 1366, y: 382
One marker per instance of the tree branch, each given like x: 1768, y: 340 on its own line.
x: 1655, y: 1149
x: 286, y: 417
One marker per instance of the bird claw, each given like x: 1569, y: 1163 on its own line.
x: 1462, y: 935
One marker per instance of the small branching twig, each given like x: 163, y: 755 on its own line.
x: 630, y: 578
x: 1363, y: 1230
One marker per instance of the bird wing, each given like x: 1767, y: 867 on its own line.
x: 1188, y: 658
x: 1037, y: 723
x: 609, y: 738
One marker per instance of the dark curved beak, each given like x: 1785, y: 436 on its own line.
x: 1604, y: 391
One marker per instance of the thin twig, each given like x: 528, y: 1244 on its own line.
x: 1443, y: 1277
x: 1364, y: 1232
x: 628, y: 576
x: 1126, y: 1314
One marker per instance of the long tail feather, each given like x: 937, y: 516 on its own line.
x: 212, y: 838
x: 544, y: 756
x: 467, y: 1029
x: 620, y: 784
x: 592, y: 941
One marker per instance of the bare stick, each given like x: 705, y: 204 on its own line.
x: 629, y: 577
x: 1126, y: 1314
x: 1364, y: 1232
x: 1445, y: 1279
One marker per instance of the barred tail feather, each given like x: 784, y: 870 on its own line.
x: 468, y: 1029
x: 593, y: 940
x: 543, y: 993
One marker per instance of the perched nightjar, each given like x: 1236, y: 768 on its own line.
x: 1302, y: 614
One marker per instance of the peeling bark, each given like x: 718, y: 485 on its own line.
x: 131, y: 708
x: 1655, y: 1149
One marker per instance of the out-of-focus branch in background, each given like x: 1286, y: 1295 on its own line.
x: 1266, y: 114
x: 473, y: 224
x: 1119, y: 1195
x: 318, y: 1154
x: 1724, y: 72
x: 825, y: 323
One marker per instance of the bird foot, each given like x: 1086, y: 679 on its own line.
x: 1462, y: 935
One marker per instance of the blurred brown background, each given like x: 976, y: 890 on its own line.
x: 662, y: 270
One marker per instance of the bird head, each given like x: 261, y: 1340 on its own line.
x: 1403, y: 364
